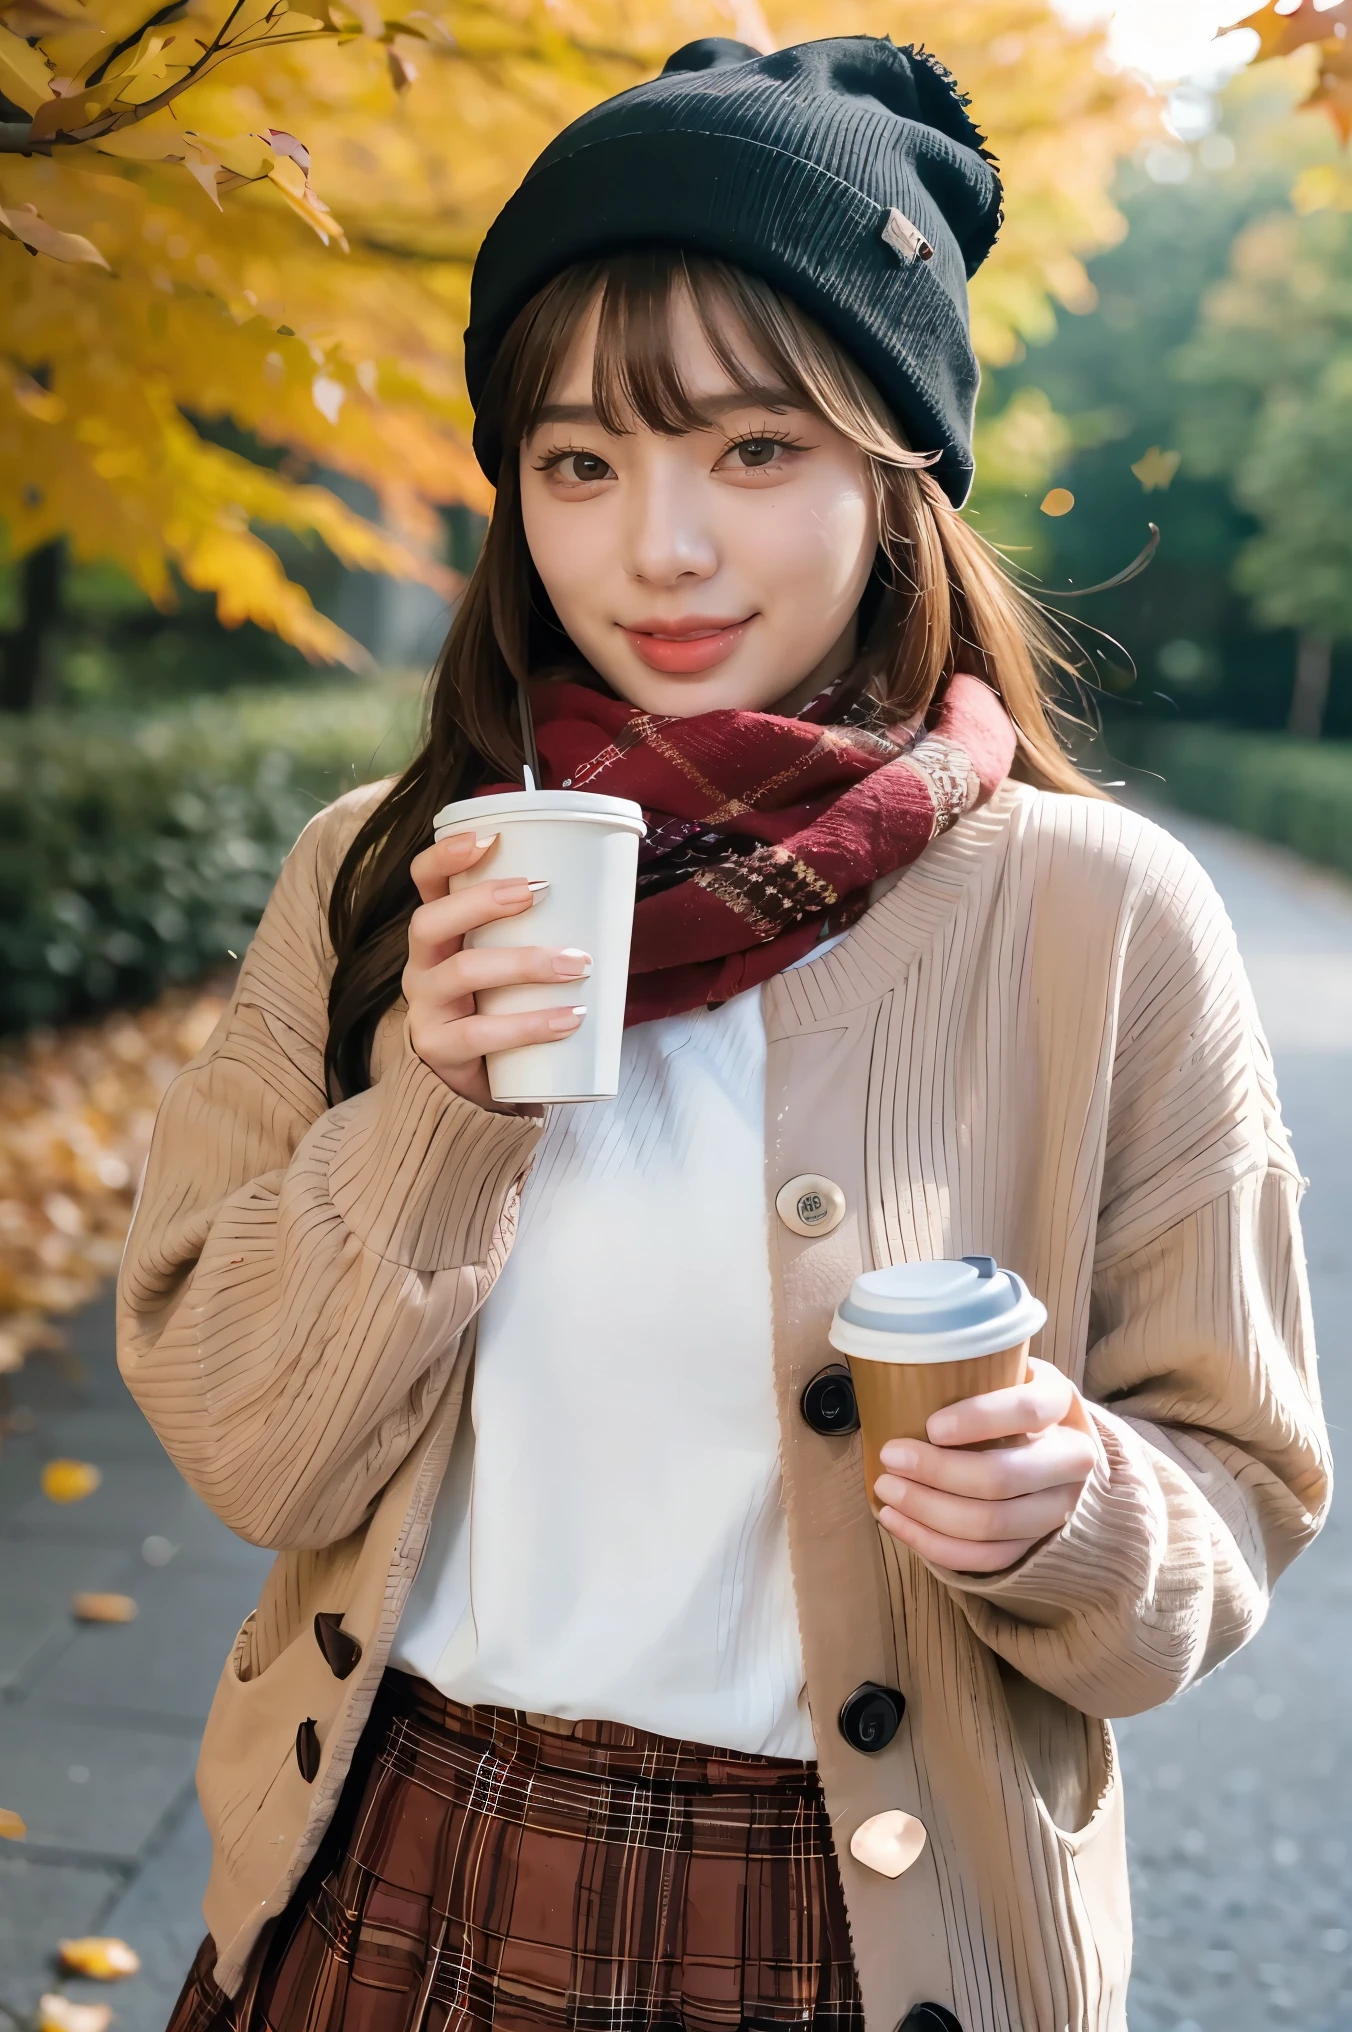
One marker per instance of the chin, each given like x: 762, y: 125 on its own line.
x: 708, y: 691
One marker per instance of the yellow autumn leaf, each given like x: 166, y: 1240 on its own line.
x: 102, y: 1957
x: 25, y: 224
x: 102, y: 1608
x: 1155, y: 468
x: 238, y: 311
x: 70, y: 1481
x: 157, y: 138
x: 288, y: 175
x: 1057, y: 501
x: 13, y: 1827
x: 25, y: 75
x: 58, y: 2014
x: 1282, y: 29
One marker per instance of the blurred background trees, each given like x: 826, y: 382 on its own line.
x: 235, y: 246
x: 220, y: 398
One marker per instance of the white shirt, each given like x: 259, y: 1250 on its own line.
x: 609, y: 1541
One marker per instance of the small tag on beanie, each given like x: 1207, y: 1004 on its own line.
x: 904, y: 238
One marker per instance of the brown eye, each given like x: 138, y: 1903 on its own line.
x: 583, y: 466
x: 755, y: 452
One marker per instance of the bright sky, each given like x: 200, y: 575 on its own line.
x: 1169, y: 39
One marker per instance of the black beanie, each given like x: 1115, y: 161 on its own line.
x: 845, y: 173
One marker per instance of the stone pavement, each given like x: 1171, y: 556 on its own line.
x: 1239, y: 1795
x: 99, y: 1724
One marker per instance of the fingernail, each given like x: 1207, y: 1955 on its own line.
x: 572, y: 964
x: 537, y: 890
x: 899, y: 1457
x: 566, y: 1019
x: 897, y: 1492
x: 515, y: 891
x: 482, y: 845
x: 941, y: 1427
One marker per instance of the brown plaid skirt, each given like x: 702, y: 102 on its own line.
x: 482, y: 1871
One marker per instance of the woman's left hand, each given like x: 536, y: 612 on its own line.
x: 979, y: 1512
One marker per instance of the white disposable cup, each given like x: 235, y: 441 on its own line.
x: 586, y: 848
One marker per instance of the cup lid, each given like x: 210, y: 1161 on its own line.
x: 936, y: 1312
x: 527, y: 804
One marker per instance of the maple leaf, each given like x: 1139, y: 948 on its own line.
x: 56, y: 2013
x: 102, y: 1608
x: 69, y: 1481
x: 22, y: 222
x: 1281, y: 34
x: 101, y: 1956
x: 223, y: 161
x: 1155, y: 468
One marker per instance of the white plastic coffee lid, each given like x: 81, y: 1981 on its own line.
x: 506, y: 805
x: 936, y: 1312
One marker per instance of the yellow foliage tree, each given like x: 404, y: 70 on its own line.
x: 169, y: 261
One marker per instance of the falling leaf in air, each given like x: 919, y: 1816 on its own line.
x: 1059, y: 501
x: 13, y: 1826
x: 97, y: 1608
x: 70, y: 1481
x: 101, y: 1956
x: 1155, y: 468
x: 57, y: 2014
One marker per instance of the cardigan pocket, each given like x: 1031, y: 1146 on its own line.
x: 1070, y: 1759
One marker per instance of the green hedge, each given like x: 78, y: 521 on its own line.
x: 1298, y: 793
x: 136, y: 853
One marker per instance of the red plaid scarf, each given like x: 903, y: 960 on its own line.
x: 764, y: 833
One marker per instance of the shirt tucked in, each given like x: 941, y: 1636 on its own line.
x: 609, y: 1542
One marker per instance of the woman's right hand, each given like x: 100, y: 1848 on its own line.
x: 443, y: 976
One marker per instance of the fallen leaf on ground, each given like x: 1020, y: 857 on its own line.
x: 101, y: 1956
x: 13, y: 1827
x: 70, y: 1481
x: 96, y: 1608
x: 58, y: 2014
x: 76, y: 1108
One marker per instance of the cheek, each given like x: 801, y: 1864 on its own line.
x: 566, y: 546
x: 820, y: 554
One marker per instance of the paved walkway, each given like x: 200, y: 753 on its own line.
x: 1240, y: 1795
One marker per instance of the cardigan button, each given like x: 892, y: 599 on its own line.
x: 827, y: 1402
x: 307, y: 1750
x: 871, y: 1716
x: 889, y: 1842
x: 810, y: 1205
x: 929, y: 2018
x: 342, y: 1653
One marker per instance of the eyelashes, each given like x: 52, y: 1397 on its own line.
x: 557, y: 454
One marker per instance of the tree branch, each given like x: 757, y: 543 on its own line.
x: 16, y: 138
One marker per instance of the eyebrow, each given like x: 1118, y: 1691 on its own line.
x: 767, y: 397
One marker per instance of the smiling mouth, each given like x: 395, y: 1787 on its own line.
x: 685, y: 648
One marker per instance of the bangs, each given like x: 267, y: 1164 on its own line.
x: 767, y: 348
x: 635, y: 377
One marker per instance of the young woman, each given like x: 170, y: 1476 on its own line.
x: 585, y: 1690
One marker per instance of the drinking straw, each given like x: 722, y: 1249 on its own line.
x: 531, y: 770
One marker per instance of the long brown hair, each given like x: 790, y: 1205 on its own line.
x: 941, y: 598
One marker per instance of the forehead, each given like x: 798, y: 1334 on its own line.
x: 670, y: 345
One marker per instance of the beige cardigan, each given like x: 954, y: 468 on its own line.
x: 1039, y: 1044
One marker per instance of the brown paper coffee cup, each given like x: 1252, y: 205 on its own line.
x: 921, y: 1336
x: 896, y: 1399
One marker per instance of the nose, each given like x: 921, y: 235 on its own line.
x: 668, y: 537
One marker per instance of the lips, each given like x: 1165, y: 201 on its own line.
x: 686, y: 647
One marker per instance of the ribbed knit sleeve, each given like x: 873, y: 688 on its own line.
x: 297, y: 1276
x: 1213, y: 1468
